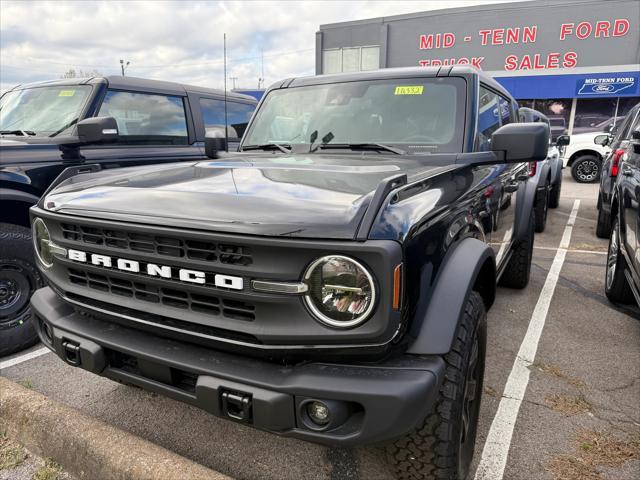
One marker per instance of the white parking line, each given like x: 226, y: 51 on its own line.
x: 573, y: 250
x: 496, y: 448
x: 24, y: 358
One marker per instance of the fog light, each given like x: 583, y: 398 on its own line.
x: 318, y: 412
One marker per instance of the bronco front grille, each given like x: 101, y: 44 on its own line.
x: 165, y: 246
x: 170, y: 297
x: 158, y: 320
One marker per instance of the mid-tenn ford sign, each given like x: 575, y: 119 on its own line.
x: 519, y: 38
x: 606, y: 85
x: 522, y: 35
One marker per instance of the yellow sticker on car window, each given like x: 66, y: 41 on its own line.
x: 409, y: 90
x: 67, y: 93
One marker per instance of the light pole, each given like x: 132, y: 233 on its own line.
x: 123, y: 66
x: 233, y: 79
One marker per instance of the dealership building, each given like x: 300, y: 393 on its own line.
x: 576, y: 61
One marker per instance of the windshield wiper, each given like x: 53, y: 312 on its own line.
x: 58, y: 132
x: 24, y: 133
x: 284, y: 148
x: 363, y: 146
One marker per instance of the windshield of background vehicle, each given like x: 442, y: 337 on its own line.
x: 43, y: 110
x: 420, y: 114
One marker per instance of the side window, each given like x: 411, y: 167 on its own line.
x: 488, y: 119
x: 238, y: 115
x: 146, y: 118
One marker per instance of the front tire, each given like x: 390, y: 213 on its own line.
x: 516, y: 273
x: 19, y: 278
x: 442, y: 446
x: 586, y: 169
x: 615, y: 284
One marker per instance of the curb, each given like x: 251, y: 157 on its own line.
x: 86, y: 447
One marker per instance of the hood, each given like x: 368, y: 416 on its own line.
x: 313, y: 196
x: 585, y: 137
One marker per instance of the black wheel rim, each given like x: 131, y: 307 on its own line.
x: 587, y: 170
x: 16, y: 285
x: 470, y: 405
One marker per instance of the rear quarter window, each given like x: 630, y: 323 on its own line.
x: 146, y: 118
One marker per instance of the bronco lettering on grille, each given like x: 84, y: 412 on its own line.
x: 154, y: 270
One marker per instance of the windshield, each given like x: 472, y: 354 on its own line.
x: 43, y: 110
x: 418, y: 115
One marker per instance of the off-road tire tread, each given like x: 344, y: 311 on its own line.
x: 11, y: 247
x: 516, y: 273
x: 603, y: 225
x: 434, y: 443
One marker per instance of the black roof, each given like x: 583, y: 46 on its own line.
x: 403, y: 72
x: 139, y: 84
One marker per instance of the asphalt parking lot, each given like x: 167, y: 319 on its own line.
x: 562, y: 383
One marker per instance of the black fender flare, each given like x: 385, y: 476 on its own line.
x: 556, y: 176
x: 546, y: 172
x: 470, y: 261
x: 524, y: 208
x: 18, y: 196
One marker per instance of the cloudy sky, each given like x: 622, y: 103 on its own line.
x: 176, y: 40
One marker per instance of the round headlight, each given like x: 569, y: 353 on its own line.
x: 341, y: 291
x: 41, y: 240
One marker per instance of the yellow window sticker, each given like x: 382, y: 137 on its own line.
x: 67, y: 93
x: 409, y: 90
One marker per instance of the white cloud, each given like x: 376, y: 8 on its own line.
x: 176, y: 40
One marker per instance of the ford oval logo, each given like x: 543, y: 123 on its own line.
x: 603, y: 88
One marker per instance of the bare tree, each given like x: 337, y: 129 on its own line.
x: 73, y: 73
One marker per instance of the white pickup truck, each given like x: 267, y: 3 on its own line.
x: 583, y: 156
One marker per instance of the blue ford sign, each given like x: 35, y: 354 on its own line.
x: 606, y: 85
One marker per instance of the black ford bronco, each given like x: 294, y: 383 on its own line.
x: 329, y: 282
x: 49, y: 126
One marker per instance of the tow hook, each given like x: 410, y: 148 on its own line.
x: 71, y: 353
x: 237, y: 405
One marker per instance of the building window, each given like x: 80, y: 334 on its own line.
x: 558, y: 111
x: 351, y: 59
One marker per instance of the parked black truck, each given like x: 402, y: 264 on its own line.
x: 50, y: 126
x: 330, y: 282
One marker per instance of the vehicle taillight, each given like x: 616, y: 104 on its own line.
x: 532, y: 168
x: 615, y: 162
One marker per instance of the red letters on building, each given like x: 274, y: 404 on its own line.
x: 620, y: 27
x: 565, y: 30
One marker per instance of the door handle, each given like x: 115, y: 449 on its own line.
x: 511, y: 187
x: 626, y: 170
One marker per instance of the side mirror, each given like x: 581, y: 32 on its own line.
x: 97, y: 130
x: 603, y: 139
x: 521, y: 142
x: 635, y: 135
x: 214, y: 142
x: 563, y: 140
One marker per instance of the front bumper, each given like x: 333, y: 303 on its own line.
x: 373, y: 402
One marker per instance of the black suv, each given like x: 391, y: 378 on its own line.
x: 50, y: 126
x: 330, y: 282
x: 618, y: 142
x: 622, y: 284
